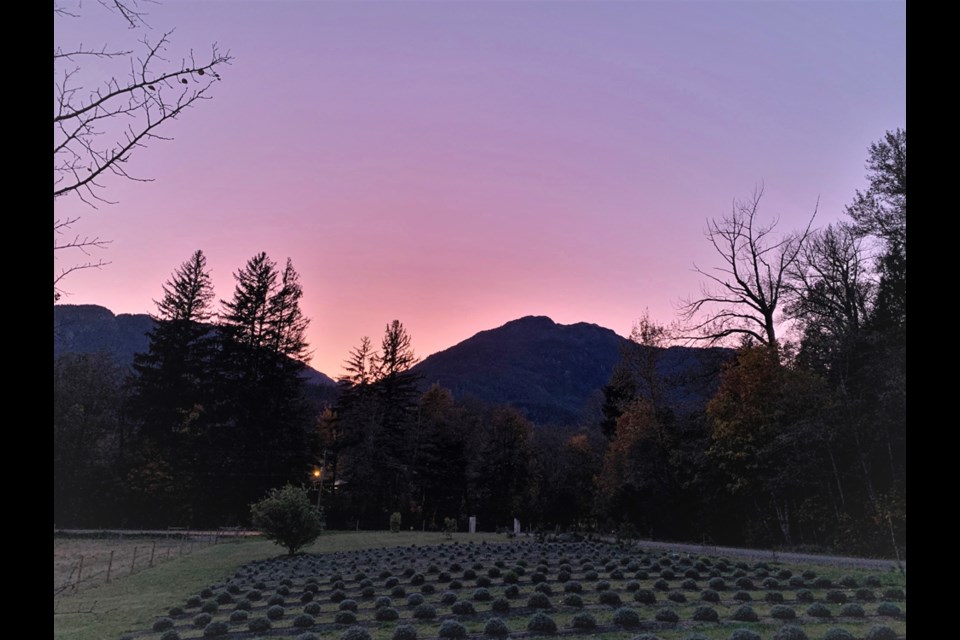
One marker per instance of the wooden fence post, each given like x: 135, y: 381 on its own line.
x: 153, y: 550
x: 134, y: 563
x: 110, y: 565
x: 79, y: 573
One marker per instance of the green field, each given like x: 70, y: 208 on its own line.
x: 131, y: 603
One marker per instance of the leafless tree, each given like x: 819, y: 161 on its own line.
x: 97, y: 125
x: 741, y: 298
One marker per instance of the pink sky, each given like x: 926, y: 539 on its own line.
x: 459, y: 165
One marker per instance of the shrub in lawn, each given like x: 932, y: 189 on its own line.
x: 881, y: 632
x: 175, y: 611
x: 386, y: 614
x: 641, y: 575
x: 202, y: 620
x: 541, y: 623
x: 667, y: 615
x: 610, y: 598
x: 276, y: 600
x: 603, y: 585
x: 790, y: 632
x: 677, y: 596
x: 645, y: 596
x: 224, y: 598
x: 463, y: 608
x: 717, y: 584
x: 888, y: 609
x: 852, y: 610
x: 259, y: 624
x: 303, y: 621
x: 347, y: 605
x: 355, y: 633
x: 312, y: 608
x: 510, y: 577
x: 162, y: 624
x: 512, y: 591
x: 661, y: 585
x: 666, y: 574
x: 817, y: 610
x: 398, y: 592
x: 452, y: 629
x: 782, y: 612
x: 773, y: 596
x: 865, y: 595
x: 745, y: 613
x: 590, y: 576
x: 345, y: 617
x: 469, y: 574
x: 823, y: 583
x: 631, y: 586
x: 836, y: 596
x: 706, y: 614
x: 500, y: 605
x: 239, y: 615
x: 425, y: 612
x: 338, y: 595
x: 805, y: 595
x: 287, y: 517
x: 275, y: 612
x: 216, y: 629
x: 206, y: 592
x: 170, y: 634
x: 745, y: 584
x: 709, y: 595
x: 306, y: 597
x: 744, y: 634
x: 836, y: 633
x: 894, y: 593
x: 626, y: 617
x: 455, y: 584
x: 539, y: 601
x: 414, y: 600
x: 405, y: 632
x: 448, y: 598
x: 544, y: 588
x: 583, y: 620
x: 194, y: 601
x: 496, y: 627
x: 573, y: 600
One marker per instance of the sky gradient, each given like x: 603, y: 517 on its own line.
x: 459, y: 165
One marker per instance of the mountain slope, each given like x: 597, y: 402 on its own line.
x: 555, y: 373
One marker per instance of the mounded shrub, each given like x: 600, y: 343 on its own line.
x: 414, y: 600
x: 645, y: 596
x: 224, y: 598
x: 818, y: 610
x: 275, y: 612
x: 888, y: 609
x: 162, y: 624
x: 312, y: 608
x: 610, y: 598
x: 603, y: 585
x: 428, y: 589
x: 216, y: 629
x: 175, y: 611
x: 631, y: 586
x: 259, y: 624
x: 206, y: 592
x: 541, y: 623
x: 510, y: 577
x: 455, y: 584
x: 238, y: 615
x: 345, y: 617
x: 170, y: 634
x: 836, y: 596
x: 337, y: 595
x: 852, y: 610
x: 355, y: 633
x: 744, y: 634
x: 347, y: 605
x: 384, y: 601
x: 626, y: 617
x: 496, y: 627
x: 849, y: 582
x: 425, y: 612
x: 677, y: 596
x: 790, y: 632
x: 417, y: 579
x: 667, y: 615
x: 872, y: 581
x: 306, y: 635
x: 881, y: 632
x: 823, y: 583
x: 544, y: 588
x: 706, y: 614
x: 452, y: 629
x: 783, y: 612
x: 398, y: 592
x: 202, y: 620
x: 405, y: 632
x: 306, y: 597
x: 391, y: 582
x: 573, y: 600
x: 745, y: 583
x: 463, y: 608
x: 303, y: 621
x: 894, y: 593
x: 805, y: 595
x: 386, y: 614
x: 865, y: 595
x: 717, y: 584
x: 709, y: 595
x: 572, y: 586
x: 771, y: 583
x: 583, y: 620
x: 745, y: 613
x: 512, y: 591
x: 774, y: 597
x: 539, y: 601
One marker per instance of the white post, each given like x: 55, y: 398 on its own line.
x: 516, y: 527
x: 473, y: 524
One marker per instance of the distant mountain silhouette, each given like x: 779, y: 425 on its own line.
x: 90, y: 328
x: 555, y: 373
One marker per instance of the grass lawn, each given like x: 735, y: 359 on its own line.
x: 133, y: 602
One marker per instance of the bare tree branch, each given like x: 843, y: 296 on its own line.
x: 741, y: 298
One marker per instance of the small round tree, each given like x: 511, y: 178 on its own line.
x: 286, y: 517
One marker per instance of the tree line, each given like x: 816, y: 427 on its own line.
x: 802, y: 444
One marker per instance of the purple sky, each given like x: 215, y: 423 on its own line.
x: 458, y: 165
